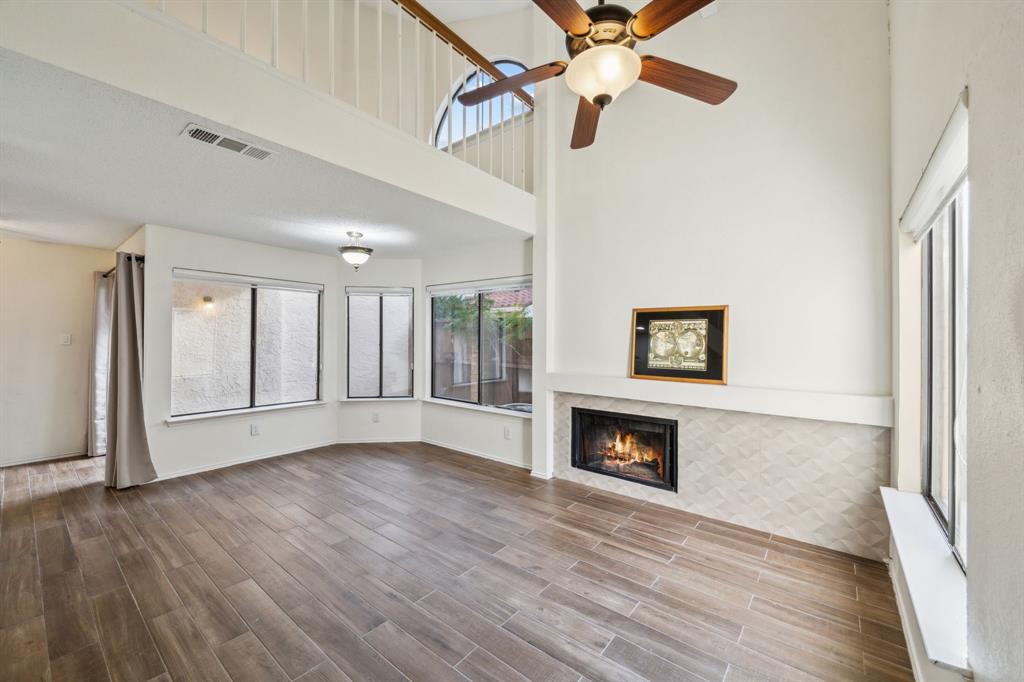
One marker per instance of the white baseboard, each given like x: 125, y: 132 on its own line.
x: 277, y: 453
x: 476, y: 453
x: 344, y: 441
x: 43, y: 458
x: 240, y: 460
x: 547, y: 477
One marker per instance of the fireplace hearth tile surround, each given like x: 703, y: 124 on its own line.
x: 805, y: 479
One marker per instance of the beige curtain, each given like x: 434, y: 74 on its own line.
x: 99, y: 366
x: 128, y: 459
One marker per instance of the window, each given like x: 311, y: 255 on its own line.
x: 944, y: 353
x: 482, y: 345
x: 240, y: 342
x: 379, y: 342
x: 466, y: 121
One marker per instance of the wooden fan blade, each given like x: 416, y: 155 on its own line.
x: 657, y: 15
x: 569, y: 16
x: 585, y: 130
x: 686, y: 80
x: 500, y: 87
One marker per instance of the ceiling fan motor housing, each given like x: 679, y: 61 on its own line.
x: 609, y: 26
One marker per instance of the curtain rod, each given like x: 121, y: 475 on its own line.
x: 108, y: 273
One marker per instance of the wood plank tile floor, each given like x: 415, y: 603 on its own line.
x: 408, y: 561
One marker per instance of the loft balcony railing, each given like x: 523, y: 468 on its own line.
x: 391, y: 59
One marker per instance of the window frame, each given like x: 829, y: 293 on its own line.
x: 955, y: 212
x: 255, y: 284
x: 478, y: 290
x: 381, y: 293
x: 456, y: 88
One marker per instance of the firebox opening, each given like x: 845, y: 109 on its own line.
x: 631, y: 447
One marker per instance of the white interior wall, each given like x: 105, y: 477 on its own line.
x: 938, y: 48
x: 189, y: 446
x: 775, y: 202
x: 46, y: 291
x: 135, y: 244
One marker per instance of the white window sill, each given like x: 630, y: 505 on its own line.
x: 185, y: 419
x: 377, y: 400
x: 936, y: 585
x: 479, y: 408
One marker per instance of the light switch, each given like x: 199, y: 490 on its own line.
x: 65, y: 339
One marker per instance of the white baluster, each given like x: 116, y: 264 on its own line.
x: 479, y: 110
x: 331, y: 67
x: 448, y: 89
x: 490, y: 130
x: 274, y: 33
x: 355, y: 43
x: 241, y: 33
x: 464, y: 64
x: 527, y: 149
x: 501, y: 137
x: 380, y: 59
x: 419, y: 83
x: 398, y: 68
x: 512, y: 124
x: 206, y: 15
x: 305, y: 41
x: 431, y: 139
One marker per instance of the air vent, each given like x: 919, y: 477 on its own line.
x: 237, y: 146
x: 256, y: 153
x: 203, y: 135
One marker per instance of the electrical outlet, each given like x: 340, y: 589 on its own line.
x: 65, y: 339
x: 254, y: 429
x: 508, y: 433
x: 375, y: 417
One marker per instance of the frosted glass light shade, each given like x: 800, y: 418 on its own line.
x: 603, y: 72
x: 355, y: 255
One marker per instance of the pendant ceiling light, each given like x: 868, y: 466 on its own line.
x: 354, y: 254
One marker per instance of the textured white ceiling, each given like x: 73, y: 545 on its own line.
x: 85, y: 163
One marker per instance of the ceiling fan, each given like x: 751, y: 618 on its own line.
x: 602, y: 61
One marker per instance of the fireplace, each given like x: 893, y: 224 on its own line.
x: 627, y: 446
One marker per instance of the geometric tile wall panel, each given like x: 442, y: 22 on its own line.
x: 805, y: 479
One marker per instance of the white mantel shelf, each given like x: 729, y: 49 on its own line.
x: 834, y: 407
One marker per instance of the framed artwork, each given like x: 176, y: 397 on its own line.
x: 680, y: 344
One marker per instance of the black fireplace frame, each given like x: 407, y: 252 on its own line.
x: 670, y: 451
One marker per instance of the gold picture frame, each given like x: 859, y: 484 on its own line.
x: 694, y: 342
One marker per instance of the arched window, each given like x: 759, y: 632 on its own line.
x: 482, y: 116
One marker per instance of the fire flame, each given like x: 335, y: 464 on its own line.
x: 625, y: 449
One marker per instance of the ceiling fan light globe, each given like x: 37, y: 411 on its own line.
x: 604, y: 72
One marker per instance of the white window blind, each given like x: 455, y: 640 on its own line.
x: 942, y: 176
x: 245, y: 280
x: 481, y: 286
